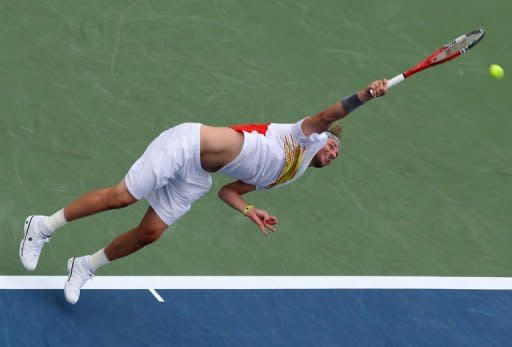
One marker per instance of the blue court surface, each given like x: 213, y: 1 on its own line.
x: 257, y: 317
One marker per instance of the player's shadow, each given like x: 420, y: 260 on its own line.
x: 56, y: 298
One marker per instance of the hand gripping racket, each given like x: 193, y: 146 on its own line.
x: 450, y: 51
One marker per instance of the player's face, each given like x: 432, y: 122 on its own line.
x: 326, y: 155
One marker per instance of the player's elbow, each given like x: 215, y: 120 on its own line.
x: 222, y: 193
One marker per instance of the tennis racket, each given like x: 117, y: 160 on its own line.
x: 450, y: 51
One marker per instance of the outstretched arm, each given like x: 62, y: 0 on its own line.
x: 321, y: 121
x: 232, y: 193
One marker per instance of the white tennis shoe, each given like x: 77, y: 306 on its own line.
x: 78, y: 274
x: 36, y: 234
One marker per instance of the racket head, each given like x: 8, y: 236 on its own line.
x: 449, y: 51
x: 458, y: 46
x: 473, y: 37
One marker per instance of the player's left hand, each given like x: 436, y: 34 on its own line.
x: 263, y: 220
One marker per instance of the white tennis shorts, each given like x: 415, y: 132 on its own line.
x: 169, y: 174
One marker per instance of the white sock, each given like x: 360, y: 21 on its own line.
x: 98, y: 259
x: 56, y: 220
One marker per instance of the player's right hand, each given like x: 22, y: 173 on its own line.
x: 378, y: 88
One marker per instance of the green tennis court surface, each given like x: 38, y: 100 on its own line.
x: 423, y: 186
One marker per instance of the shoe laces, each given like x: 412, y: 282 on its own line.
x: 81, y: 274
x: 84, y: 279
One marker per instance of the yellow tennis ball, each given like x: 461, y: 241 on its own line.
x: 496, y: 71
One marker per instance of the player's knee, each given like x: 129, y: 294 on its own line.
x: 119, y: 198
x: 149, y: 235
x: 124, y: 200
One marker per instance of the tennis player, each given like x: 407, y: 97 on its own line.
x: 174, y: 171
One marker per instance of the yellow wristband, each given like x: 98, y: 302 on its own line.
x: 247, y: 208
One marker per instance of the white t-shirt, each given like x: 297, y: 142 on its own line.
x: 273, y: 154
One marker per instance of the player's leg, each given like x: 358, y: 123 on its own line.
x: 81, y: 269
x: 148, y: 231
x: 170, y: 177
x: 39, y: 229
x: 146, y: 174
x: 114, y: 197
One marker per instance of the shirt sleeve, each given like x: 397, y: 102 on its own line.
x: 304, y: 140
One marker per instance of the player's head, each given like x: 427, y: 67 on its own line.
x: 331, y: 149
x: 326, y: 154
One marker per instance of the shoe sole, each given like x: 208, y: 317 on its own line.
x: 26, y: 227
x: 70, y: 266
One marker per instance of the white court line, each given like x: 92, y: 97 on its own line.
x: 263, y: 282
x: 156, y: 295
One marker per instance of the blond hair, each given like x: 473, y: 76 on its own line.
x: 336, y: 129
